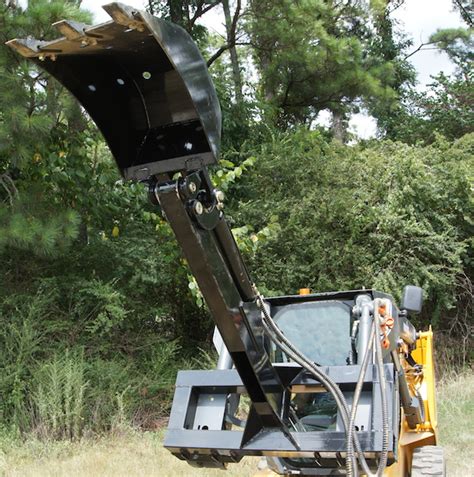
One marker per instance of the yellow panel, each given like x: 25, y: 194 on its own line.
x: 423, y: 354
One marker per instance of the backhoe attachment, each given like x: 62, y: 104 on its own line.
x: 329, y: 377
x: 146, y: 86
x: 144, y: 83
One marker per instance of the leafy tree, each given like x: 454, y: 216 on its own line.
x: 313, y: 55
x: 447, y: 110
x: 381, y: 216
x: 447, y: 107
x: 185, y: 13
x: 389, y: 45
x: 34, y: 115
x: 458, y: 44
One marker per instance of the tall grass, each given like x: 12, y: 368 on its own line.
x: 456, y: 421
x: 134, y: 453
x: 58, y: 392
x: 58, y: 402
x: 21, y: 343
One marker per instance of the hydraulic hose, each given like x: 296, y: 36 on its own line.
x: 383, y: 393
x: 328, y: 384
x: 355, y: 403
x: 281, y: 341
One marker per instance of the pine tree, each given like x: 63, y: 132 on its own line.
x: 314, y: 55
x: 34, y: 117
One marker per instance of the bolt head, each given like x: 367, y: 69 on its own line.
x: 198, y: 208
x: 192, y: 187
x: 220, y: 196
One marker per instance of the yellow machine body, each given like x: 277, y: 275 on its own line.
x: 426, y: 433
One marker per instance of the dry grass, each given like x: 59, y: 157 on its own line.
x: 141, y: 454
x: 456, y: 422
x: 128, y: 455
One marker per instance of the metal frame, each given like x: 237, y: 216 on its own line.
x: 218, y: 446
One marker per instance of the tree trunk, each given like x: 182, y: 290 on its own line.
x: 339, y: 126
x: 264, y: 44
x: 234, y: 59
x: 177, y: 15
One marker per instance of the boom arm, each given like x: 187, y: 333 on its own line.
x: 192, y: 208
x: 145, y: 84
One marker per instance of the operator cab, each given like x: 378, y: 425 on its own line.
x: 320, y: 326
x: 320, y: 330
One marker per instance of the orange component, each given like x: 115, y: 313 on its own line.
x: 385, y: 343
x: 382, y: 310
x: 389, y: 322
x: 305, y: 291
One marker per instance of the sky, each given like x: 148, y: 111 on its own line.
x: 419, y: 18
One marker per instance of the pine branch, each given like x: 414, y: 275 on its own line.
x: 232, y: 36
x: 420, y: 48
x: 464, y: 13
x: 7, y: 183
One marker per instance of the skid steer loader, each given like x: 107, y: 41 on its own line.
x: 334, y: 383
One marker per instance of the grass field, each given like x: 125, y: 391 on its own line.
x: 133, y: 454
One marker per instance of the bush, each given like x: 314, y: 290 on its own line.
x: 383, y: 216
x: 58, y: 398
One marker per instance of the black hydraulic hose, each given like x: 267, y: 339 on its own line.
x: 304, y: 364
x: 327, y: 383
x: 355, y: 403
x: 383, y: 393
x: 272, y: 330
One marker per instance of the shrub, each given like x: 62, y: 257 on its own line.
x: 383, y: 215
x: 58, y: 399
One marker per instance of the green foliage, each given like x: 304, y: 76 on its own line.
x: 447, y: 110
x: 58, y: 397
x: 21, y: 340
x: 28, y: 225
x: 185, y: 13
x: 458, y: 43
x: 29, y: 101
x: 447, y: 106
x: 315, y: 55
x: 228, y: 173
x: 350, y: 217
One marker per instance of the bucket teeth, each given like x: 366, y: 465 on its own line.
x: 120, y: 13
x: 78, y: 33
x: 124, y: 15
x: 27, y: 47
x: 71, y: 30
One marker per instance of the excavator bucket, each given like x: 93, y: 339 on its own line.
x: 144, y: 83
